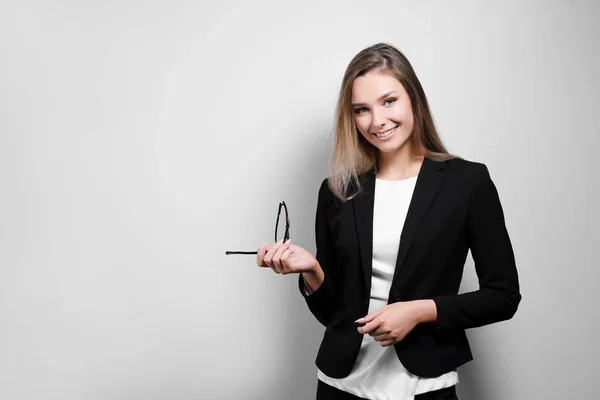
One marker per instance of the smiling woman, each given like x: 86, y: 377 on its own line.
x: 379, y: 121
x: 383, y: 121
x: 393, y: 331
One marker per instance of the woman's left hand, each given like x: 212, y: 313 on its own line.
x: 392, y: 323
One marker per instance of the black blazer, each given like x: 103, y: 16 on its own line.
x: 455, y: 207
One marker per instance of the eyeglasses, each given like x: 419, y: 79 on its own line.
x: 286, y: 235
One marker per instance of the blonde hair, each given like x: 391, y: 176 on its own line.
x: 353, y: 155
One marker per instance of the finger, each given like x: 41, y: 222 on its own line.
x: 381, y: 329
x: 377, y: 332
x: 382, y: 337
x: 277, y: 257
x: 285, y: 260
x: 369, y: 317
x: 386, y: 343
x: 268, y: 259
x: 369, y: 327
x: 260, y: 255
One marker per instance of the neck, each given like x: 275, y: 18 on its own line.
x: 399, y: 165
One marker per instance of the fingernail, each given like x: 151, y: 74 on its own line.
x: 280, y: 241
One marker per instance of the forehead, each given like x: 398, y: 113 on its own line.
x: 369, y: 87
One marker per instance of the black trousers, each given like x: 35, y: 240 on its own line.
x: 326, y: 392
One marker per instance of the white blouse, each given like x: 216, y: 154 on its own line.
x: 377, y: 373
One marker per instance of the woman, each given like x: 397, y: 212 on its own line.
x: 394, y: 223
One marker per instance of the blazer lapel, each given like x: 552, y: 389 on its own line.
x: 430, y: 177
x: 363, y: 216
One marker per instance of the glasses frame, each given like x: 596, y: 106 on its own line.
x: 286, y: 235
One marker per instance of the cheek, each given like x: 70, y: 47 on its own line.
x: 361, y: 126
x: 407, y: 115
x: 409, y: 124
x: 405, y: 119
x: 403, y: 114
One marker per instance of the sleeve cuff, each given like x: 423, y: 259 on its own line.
x: 306, y: 288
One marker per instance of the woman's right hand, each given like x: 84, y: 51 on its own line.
x: 286, y: 258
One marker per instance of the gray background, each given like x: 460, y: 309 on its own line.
x: 140, y: 140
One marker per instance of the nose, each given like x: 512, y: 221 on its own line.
x: 379, y: 120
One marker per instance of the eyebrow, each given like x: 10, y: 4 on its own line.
x: 380, y: 98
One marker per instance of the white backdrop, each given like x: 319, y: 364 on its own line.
x: 140, y: 140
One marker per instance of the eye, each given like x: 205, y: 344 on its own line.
x: 359, y: 110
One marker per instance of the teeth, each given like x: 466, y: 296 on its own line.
x: 388, y: 133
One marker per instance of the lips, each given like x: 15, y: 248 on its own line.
x: 386, y: 134
x: 379, y: 133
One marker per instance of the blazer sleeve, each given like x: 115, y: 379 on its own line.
x: 498, y: 296
x: 320, y: 301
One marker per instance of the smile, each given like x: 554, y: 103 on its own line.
x: 386, y: 133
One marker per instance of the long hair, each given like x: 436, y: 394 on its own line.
x: 353, y: 155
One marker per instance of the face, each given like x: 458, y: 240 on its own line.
x: 382, y: 111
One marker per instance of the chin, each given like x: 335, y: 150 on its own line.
x: 391, y: 147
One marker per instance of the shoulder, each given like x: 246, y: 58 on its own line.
x: 325, y: 193
x: 325, y: 188
x: 472, y: 171
x: 329, y: 197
